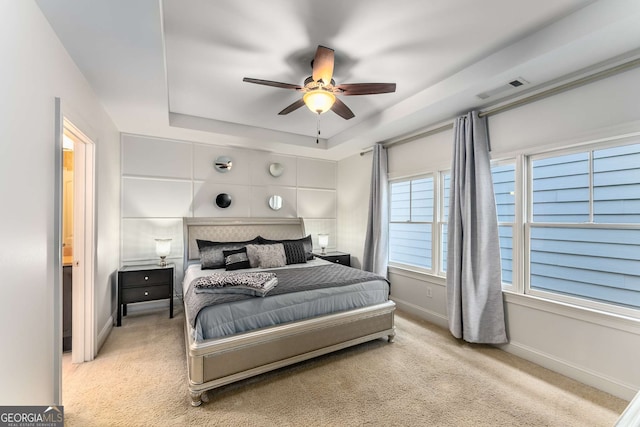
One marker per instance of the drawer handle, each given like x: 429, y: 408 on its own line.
x: 146, y: 293
x: 146, y: 277
x: 338, y: 261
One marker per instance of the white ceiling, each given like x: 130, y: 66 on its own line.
x: 174, y: 68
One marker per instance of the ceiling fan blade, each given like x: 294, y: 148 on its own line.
x: 299, y: 103
x: 341, y: 109
x: 323, y: 65
x: 272, y: 83
x: 365, y: 88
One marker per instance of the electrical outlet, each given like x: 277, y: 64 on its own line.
x: 429, y: 292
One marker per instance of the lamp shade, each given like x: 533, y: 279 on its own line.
x: 163, y: 247
x: 319, y: 101
x: 323, y: 240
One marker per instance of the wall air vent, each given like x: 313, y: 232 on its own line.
x: 515, y: 83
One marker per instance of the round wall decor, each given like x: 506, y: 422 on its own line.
x: 223, y: 200
x: 276, y: 169
x: 223, y: 164
x: 275, y: 202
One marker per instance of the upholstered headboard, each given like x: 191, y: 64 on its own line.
x: 236, y: 229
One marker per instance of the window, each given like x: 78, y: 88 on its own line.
x: 504, y: 188
x: 573, y: 235
x: 444, y: 218
x: 411, y: 222
x: 584, y: 231
x: 503, y: 175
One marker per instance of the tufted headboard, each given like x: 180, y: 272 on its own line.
x: 236, y: 229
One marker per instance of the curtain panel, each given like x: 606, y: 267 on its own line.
x: 376, y: 246
x: 474, y: 278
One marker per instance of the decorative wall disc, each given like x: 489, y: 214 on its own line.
x: 223, y: 200
x: 223, y: 164
x: 276, y: 169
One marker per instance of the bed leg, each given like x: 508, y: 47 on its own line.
x: 198, y: 398
x: 391, y: 337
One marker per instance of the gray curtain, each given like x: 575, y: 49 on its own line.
x: 376, y: 245
x: 474, y: 277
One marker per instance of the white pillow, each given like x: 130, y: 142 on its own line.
x: 266, y: 256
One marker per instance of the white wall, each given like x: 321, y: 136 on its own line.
x: 165, y: 180
x: 597, y: 349
x: 36, y: 69
x: 354, y: 181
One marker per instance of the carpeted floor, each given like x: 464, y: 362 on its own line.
x: 425, y: 378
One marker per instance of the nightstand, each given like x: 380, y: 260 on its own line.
x: 141, y: 283
x: 335, y: 256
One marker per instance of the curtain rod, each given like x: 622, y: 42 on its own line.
x: 536, y: 97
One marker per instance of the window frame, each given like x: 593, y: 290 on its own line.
x: 529, y: 224
x: 441, y: 221
x: 434, y: 238
x: 517, y: 220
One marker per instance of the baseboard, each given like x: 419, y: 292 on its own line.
x: 422, y: 312
x: 563, y: 367
x: 104, y: 334
x: 585, y: 376
x: 150, y: 306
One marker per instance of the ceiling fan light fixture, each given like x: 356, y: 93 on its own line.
x: 319, y: 100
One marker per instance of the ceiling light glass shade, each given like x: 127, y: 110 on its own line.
x: 319, y: 101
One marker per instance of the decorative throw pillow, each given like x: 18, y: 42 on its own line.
x: 211, y: 253
x: 294, y: 252
x: 266, y: 256
x: 306, y: 242
x: 236, y: 259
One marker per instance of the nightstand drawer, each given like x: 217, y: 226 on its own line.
x: 146, y: 293
x: 146, y: 277
x: 342, y: 259
x: 335, y: 257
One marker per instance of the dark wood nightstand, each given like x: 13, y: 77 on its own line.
x: 335, y: 256
x: 140, y: 283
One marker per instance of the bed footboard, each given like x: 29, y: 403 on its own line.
x: 218, y: 362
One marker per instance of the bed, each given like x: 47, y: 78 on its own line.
x: 338, y: 317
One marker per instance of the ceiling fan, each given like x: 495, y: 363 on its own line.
x: 319, y: 90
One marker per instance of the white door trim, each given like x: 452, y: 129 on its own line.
x: 57, y: 257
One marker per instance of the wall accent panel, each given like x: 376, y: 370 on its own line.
x: 142, y: 156
x: 157, y: 194
x: 142, y: 197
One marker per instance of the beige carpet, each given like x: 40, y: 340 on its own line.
x: 425, y: 378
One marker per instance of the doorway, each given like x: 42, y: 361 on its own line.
x: 78, y: 249
x: 67, y: 241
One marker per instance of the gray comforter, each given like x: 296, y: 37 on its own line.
x: 289, y: 280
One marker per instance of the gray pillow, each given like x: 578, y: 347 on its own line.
x: 294, y: 251
x: 266, y: 256
x: 306, y: 242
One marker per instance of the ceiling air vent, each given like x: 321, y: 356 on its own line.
x: 515, y: 83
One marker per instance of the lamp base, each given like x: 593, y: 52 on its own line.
x: 322, y: 252
x: 163, y: 262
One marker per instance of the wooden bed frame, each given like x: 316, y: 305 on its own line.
x: 217, y: 362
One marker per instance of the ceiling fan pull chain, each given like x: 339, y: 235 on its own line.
x: 318, y: 129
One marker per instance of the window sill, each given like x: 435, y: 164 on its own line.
x: 597, y: 317
x: 417, y: 275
